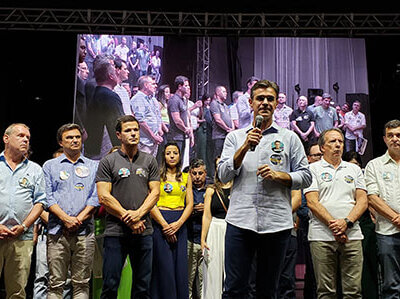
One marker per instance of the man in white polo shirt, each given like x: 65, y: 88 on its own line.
x: 382, y: 179
x: 337, y: 198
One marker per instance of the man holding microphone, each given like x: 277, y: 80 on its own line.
x: 266, y: 162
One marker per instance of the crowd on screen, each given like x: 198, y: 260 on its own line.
x: 178, y: 157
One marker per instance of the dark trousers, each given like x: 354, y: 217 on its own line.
x: 140, y: 251
x: 241, y: 245
x: 287, y: 280
x: 389, y: 258
x: 218, y: 146
x: 170, y: 262
x: 310, y: 285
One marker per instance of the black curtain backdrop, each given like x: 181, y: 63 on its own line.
x: 38, y: 74
x: 234, y: 64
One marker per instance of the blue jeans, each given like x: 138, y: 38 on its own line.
x: 389, y: 258
x: 240, y: 247
x: 140, y: 251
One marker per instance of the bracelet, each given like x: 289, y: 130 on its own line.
x: 25, y: 227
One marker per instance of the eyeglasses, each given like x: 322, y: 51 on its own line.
x: 197, y: 172
x: 315, y: 155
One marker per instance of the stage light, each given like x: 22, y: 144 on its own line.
x: 336, y: 87
x: 297, y: 88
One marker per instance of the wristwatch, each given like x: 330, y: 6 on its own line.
x: 349, y: 223
x: 24, y: 226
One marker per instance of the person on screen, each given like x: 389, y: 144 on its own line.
x: 147, y: 112
x: 178, y: 113
x: 122, y: 73
x: 243, y: 106
x: 103, y: 110
x: 80, y: 101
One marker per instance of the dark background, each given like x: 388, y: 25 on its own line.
x: 38, y: 68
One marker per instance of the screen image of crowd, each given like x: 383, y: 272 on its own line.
x: 150, y: 174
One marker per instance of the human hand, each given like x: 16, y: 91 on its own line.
x: 199, y: 207
x: 266, y: 172
x: 171, y: 238
x: 341, y: 238
x: 71, y: 223
x: 5, y: 232
x: 130, y: 217
x: 337, y: 226
x: 396, y: 220
x: 204, y: 247
x: 253, y: 137
x: 138, y: 227
x: 16, y: 231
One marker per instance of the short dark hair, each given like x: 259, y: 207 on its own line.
x: 265, y: 84
x: 180, y: 80
x: 67, y: 127
x: 118, y: 63
x: 391, y: 124
x: 124, y: 119
x: 251, y: 79
x: 308, y: 148
x: 350, y: 155
x: 195, y: 163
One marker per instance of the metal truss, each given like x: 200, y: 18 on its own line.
x: 203, y: 66
x: 200, y: 23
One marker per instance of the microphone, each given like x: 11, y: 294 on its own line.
x: 258, y: 123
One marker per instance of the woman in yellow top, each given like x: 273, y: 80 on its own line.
x: 170, y: 266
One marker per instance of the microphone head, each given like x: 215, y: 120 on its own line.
x: 258, y: 121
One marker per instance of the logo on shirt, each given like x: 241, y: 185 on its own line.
x: 124, y: 172
x: 24, y: 182
x: 387, y: 176
x: 348, y: 179
x: 168, y: 188
x: 141, y: 172
x: 277, y: 146
x: 183, y: 188
x: 82, y: 171
x: 79, y: 186
x: 326, y: 177
x: 64, y: 175
x: 276, y: 159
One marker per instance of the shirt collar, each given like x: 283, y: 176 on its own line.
x: 125, y: 156
x: 270, y: 130
x: 387, y: 158
x: 64, y: 158
x: 324, y: 163
x: 3, y: 158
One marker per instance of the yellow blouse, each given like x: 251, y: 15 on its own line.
x: 172, y: 194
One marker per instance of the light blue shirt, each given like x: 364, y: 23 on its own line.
x: 256, y: 204
x: 19, y: 191
x: 72, y: 187
x: 146, y: 110
x: 245, y: 113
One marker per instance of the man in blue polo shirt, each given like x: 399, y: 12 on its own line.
x: 22, y: 196
x: 72, y: 199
